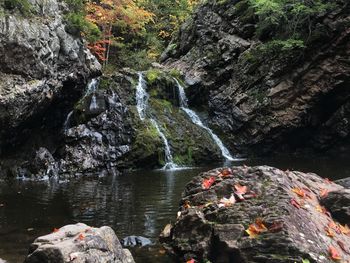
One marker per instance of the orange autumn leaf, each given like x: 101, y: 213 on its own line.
x: 329, y: 232
x: 299, y: 192
x: 344, y: 229
x: 207, y: 183
x: 333, y: 253
x: 295, y: 203
x: 55, y: 230
x: 256, y: 228
x: 81, y: 237
x: 225, y: 173
x: 241, y: 189
x: 324, y: 193
x: 191, y: 261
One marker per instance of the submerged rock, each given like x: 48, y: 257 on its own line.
x: 257, y: 214
x: 79, y: 243
x: 132, y: 241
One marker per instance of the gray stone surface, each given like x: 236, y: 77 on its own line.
x: 288, y: 203
x: 79, y: 243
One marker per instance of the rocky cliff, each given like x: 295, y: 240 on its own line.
x: 263, y: 100
x: 44, y: 71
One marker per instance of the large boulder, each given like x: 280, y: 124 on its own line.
x: 257, y: 214
x: 44, y: 70
x: 263, y: 98
x: 344, y: 182
x: 79, y: 243
x: 338, y: 203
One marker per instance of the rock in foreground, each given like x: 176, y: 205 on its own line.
x: 257, y: 214
x: 79, y: 243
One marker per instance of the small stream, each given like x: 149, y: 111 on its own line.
x: 137, y: 203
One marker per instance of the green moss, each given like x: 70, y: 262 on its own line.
x: 23, y: 6
x: 152, y: 75
x: 104, y: 83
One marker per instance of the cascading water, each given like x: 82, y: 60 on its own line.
x: 196, y: 120
x: 91, y: 88
x: 141, y: 105
x: 67, y: 121
x: 141, y: 97
x: 169, y: 164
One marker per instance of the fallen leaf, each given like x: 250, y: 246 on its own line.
x: 225, y: 202
x: 323, y: 210
x: 191, y: 261
x: 344, y: 229
x: 225, y: 173
x: 81, y: 237
x: 241, y: 189
x: 300, y: 192
x: 342, y: 246
x: 329, y: 232
x: 334, y: 226
x: 207, y: 183
x: 256, y: 228
x: 333, y: 253
x: 295, y: 203
x: 162, y: 251
x: 55, y: 230
x: 187, y: 204
x: 324, y: 193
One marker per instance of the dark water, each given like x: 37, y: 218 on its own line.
x: 137, y: 203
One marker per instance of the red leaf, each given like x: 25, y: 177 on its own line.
x: 295, y: 203
x: 207, y: 183
x: 333, y: 253
x: 300, y: 192
x: 225, y: 173
x: 55, y: 230
x: 191, y: 261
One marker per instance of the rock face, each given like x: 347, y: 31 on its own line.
x: 112, y: 136
x: 44, y: 70
x: 79, y: 243
x: 338, y: 202
x: 257, y: 214
x: 291, y: 101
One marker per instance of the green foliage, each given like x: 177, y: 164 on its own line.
x: 23, y: 6
x: 289, y: 19
x: 77, y: 24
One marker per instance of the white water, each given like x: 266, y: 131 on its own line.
x: 67, y: 121
x: 141, y: 97
x: 141, y: 105
x: 93, y: 103
x: 169, y: 164
x: 92, y: 86
x: 196, y: 120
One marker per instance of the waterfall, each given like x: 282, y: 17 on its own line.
x: 92, y: 86
x: 196, y: 120
x: 93, y: 103
x: 141, y: 105
x: 169, y: 164
x: 67, y: 121
x: 141, y: 97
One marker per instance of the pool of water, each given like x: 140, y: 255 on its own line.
x: 136, y: 203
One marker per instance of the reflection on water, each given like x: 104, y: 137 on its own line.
x: 137, y: 203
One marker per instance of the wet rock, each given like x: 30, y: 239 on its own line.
x: 79, y: 243
x: 338, y: 203
x: 281, y: 209
x: 43, y: 72
x: 132, y: 241
x: 272, y: 103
